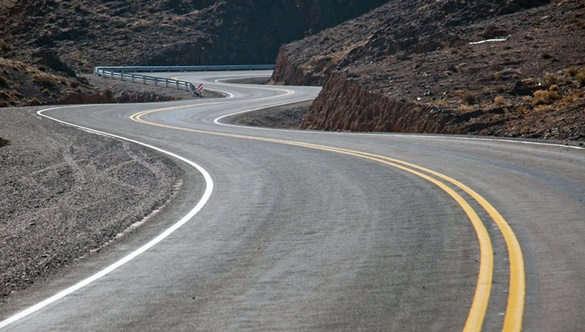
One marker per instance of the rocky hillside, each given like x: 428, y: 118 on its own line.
x: 506, y: 68
x: 68, y: 37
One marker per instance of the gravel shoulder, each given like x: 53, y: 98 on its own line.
x: 65, y: 192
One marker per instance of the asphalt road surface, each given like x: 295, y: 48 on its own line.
x: 292, y: 230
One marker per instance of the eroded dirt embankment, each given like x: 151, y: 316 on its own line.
x: 290, y: 72
x: 345, y: 105
x: 512, y: 71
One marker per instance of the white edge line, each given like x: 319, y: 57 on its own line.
x: 202, y: 202
x: 219, y: 119
x: 390, y: 134
x: 382, y: 134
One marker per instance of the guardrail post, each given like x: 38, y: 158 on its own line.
x: 112, y: 72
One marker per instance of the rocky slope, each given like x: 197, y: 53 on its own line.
x: 506, y: 68
x: 65, y: 38
x: 64, y: 192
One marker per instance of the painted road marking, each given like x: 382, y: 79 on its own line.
x: 194, y: 211
x: 517, y: 284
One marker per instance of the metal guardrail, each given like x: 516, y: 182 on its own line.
x: 131, y: 73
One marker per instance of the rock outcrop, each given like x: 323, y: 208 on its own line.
x: 347, y: 106
x: 289, y: 72
x: 506, y: 68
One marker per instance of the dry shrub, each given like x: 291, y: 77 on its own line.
x: 544, y: 97
x: 45, y: 80
x: 4, y: 46
x: 580, y: 77
x: 3, y: 81
x: 496, y: 76
x: 572, y: 71
x: 108, y: 93
x: 467, y: 97
x: 550, y: 79
x: 499, y: 101
x: 465, y: 108
x: 33, y: 102
x: 569, y: 99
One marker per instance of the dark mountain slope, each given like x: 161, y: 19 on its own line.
x: 87, y: 33
x: 64, y: 37
x: 425, y: 66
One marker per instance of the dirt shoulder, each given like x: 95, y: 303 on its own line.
x: 65, y: 192
x: 281, y: 117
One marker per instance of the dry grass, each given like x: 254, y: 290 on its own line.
x: 4, y: 46
x: 544, y: 97
x: 550, y: 79
x: 467, y: 97
x: 580, y: 77
x: 572, y: 71
x: 46, y: 80
x: 3, y: 81
x: 499, y: 101
x: 465, y: 108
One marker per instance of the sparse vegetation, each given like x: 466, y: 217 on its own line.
x: 580, y: 77
x: 3, y: 81
x: 572, y: 71
x: 4, y: 47
x: 499, y: 101
x: 550, y: 79
x: 544, y: 97
x: 45, y: 80
x: 467, y: 97
x: 108, y: 93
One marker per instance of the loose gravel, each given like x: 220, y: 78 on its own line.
x: 65, y: 192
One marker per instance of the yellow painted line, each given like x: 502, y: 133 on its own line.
x: 517, y: 287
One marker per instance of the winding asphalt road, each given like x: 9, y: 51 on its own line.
x: 292, y: 230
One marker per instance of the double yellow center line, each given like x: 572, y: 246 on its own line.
x: 517, y: 284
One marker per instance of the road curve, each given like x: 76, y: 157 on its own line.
x: 296, y: 230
